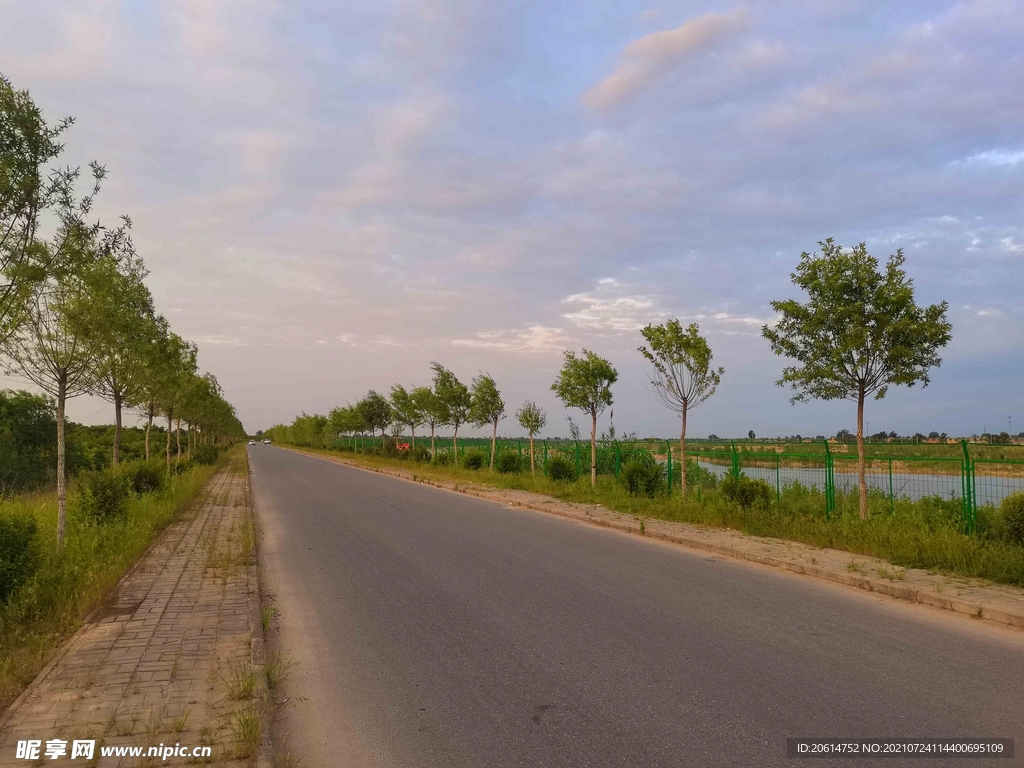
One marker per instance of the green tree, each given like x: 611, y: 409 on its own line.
x: 125, y: 326
x: 406, y: 411
x: 28, y: 444
x: 176, y: 363
x: 859, y: 333
x: 27, y: 144
x: 532, y: 418
x: 151, y: 369
x: 682, y: 375
x: 430, y: 410
x: 376, y: 412
x: 586, y: 383
x: 52, y: 349
x: 453, y: 401
x: 486, y: 407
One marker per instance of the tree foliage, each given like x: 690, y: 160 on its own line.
x: 486, y: 407
x: 683, y: 376
x: 859, y: 333
x: 453, y: 401
x: 585, y: 382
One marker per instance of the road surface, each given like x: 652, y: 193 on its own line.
x: 434, y: 629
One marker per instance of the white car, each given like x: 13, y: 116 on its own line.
x: 266, y: 442
x: 252, y: 442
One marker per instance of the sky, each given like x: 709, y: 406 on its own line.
x: 330, y: 196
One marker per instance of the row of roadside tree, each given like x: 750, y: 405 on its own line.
x: 76, y: 316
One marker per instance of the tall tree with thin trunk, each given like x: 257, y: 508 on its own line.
x: 52, y: 348
x: 486, y: 407
x: 376, y: 412
x: 150, y: 373
x: 125, y: 327
x: 454, y: 401
x: 177, y: 362
x: 682, y: 375
x: 585, y: 382
x: 430, y: 411
x: 532, y: 418
x: 859, y: 333
x: 403, y: 404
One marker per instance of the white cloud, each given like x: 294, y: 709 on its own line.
x: 609, y: 309
x: 995, y: 157
x: 647, y: 59
x: 533, y: 339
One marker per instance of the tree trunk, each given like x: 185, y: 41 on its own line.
x: 593, y: 451
x: 149, y: 426
x: 62, y: 489
x: 413, y: 428
x: 682, y: 455
x: 177, y: 437
x: 533, y: 465
x: 455, y: 444
x: 170, y: 428
x: 116, y: 456
x: 494, y: 443
x: 861, y: 464
x: 431, y: 439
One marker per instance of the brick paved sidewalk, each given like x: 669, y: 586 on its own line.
x: 170, y: 658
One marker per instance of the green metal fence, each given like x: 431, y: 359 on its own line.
x: 826, y: 474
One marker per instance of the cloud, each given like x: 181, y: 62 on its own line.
x: 996, y: 158
x: 531, y: 340
x: 608, y: 309
x: 646, y: 60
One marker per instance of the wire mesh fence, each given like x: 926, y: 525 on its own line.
x: 970, y: 475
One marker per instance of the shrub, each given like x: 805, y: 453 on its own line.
x: 181, y: 466
x: 509, y: 462
x: 642, y: 475
x: 474, y: 460
x: 144, y: 477
x: 747, y: 492
x: 1012, y: 510
x: 561, y: 469
x: 419, y: 453
x: 19, y: 557
x: 205, y: 454
x: 442, y: 459
x: 102, y: 495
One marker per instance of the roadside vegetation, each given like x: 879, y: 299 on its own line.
x: 113, y: 515
x: 79, y: 504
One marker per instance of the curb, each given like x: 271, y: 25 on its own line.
x: 972, y: 608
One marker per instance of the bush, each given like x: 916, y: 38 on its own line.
x: 19, y: 557
x: 181, y: 466
x: 419, y: 453
x: 1012, y: 510
x: 642, y: 475
x: 561, y: 469
x: 509, y: 462
x: 747, y: 492
x: 204, y: 454
x: 102, y: 495
x: 144, y: 477
x: 474, y: 460
x: 442, y: 459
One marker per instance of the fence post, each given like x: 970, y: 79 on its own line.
x: 830, y: 483
x: 577, y: 457
x: 892, y: 501
x: 545, y: 452
x: 668, y: 453
x: 778, y: 484
x: 967, y: 490
x: 618, y: 460
x: 735, y: 460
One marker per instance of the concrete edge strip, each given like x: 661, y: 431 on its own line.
x: 258, y: 649
x: 971, y: 608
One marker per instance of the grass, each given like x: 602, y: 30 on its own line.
x: 247, y: 727
x: 240, y: 681
x: 922, y: 534
x: 276, y: 668
x: 49, y: 607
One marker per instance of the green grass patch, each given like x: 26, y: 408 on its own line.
x: 47, y: 607
x: 921, y: 534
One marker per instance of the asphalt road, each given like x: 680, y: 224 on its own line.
x: 433, y: 629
